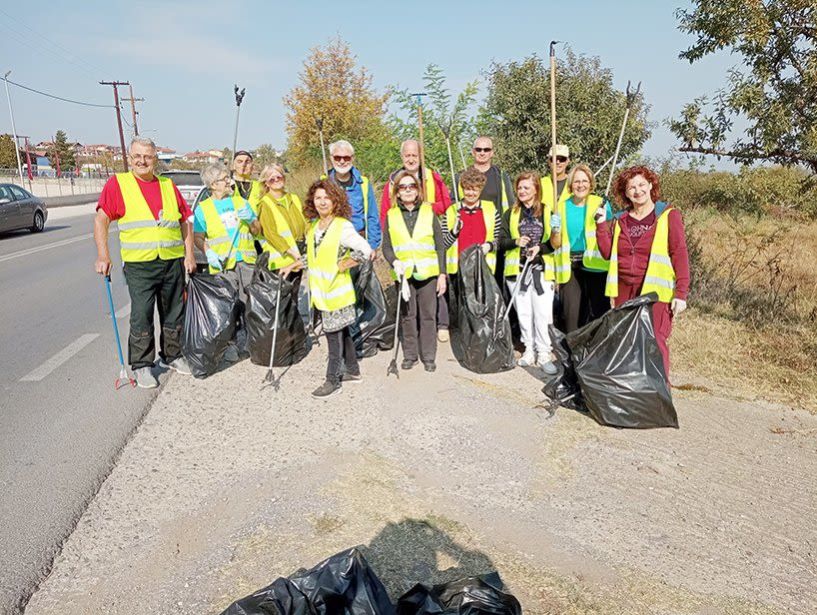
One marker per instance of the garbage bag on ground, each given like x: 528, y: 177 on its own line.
x: 618, y: 369
x: 481, y: 342
x: 343, y: 584
x: 563, y: 390
x: 259, y: 316
x: 471, y: 596
x: 374, y: 328
x: 210, y: 320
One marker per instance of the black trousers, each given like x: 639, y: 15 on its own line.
x: 583, y: 297
x: 157, y: 283
x: 341, y: 353
x: 420, y: 309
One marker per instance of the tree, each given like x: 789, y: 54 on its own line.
x: 263, y: 155
x: 8, y: 159
x: 332, y: 88
x: 776, y: 96
x: 589, y: 112
x: 440, y: 117
x: 60, y: 149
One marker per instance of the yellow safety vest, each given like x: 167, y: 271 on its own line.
x: 660, y: 276
x: 452, y: 263
x: 330, y: 288
x: 219, y: 240
x: 503, y: 193
x: 416, y: 250
x: 277, y: 260
x: 142, y: 238
x: 254, y: 198
x: 512, y: 256
x: 555, y: 272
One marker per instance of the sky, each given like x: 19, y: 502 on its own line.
x: 184, y: 57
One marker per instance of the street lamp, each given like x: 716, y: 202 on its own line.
x: 13, y: 128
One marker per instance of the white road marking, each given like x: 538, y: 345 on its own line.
x: 58, y: 359
x: 48, y: 246
x: 123, y: 311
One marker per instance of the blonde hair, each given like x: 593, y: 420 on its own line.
x: 267, y: 172
x: 586, y: 169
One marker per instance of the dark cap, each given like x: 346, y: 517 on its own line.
x: 242, y: 152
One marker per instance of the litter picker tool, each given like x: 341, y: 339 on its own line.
x: 319, y: 124
x: 123, y: 379
x: 631, y: 96
x: 517, y: 286
x: 270, y: 377
x: 393, y: 365
x: 419, y: 96
x: 239, y: 97
x: 553, y: 122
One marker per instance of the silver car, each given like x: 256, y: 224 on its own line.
x: 20, y: 209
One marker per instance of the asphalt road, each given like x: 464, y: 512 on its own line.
x: 62, y: 423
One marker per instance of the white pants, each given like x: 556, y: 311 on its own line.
x: 535, y: 313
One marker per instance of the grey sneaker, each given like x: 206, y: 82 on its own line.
x: 145, y: 378
x: 549, y: 367
x: 179, y: 364
x: 327, y: 389
x: 347, y: 377
x: 231, y: 354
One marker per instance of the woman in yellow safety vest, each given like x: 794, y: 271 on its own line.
x: 580, y: 269
x: 282, y: 222
x: 333, y: 247
x: 413, y: 245
x: 647, y: 250
x: 524, y: 238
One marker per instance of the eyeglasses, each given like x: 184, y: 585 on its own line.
x: 479, y: 150
x: 276, y: 178
x: 342, y: 158
x: 562, y: 158
x: 222, y: 179
x: 407, y: 187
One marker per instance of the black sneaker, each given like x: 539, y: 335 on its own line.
x: 408, y: 363
x: 327, y: 389
x: 347, y: 377
x: 430, y: 366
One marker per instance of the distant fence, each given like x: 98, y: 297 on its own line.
x: 49, y: 186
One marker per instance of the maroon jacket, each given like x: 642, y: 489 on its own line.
x: 634, y: 254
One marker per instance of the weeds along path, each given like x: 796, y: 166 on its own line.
x: 227, y: 486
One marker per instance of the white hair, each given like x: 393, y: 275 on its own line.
x: 406, y: 142
x: 212, y: 172
x: 142, y: 141
x: 342, y: 144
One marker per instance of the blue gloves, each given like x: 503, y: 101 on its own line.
x: 555, y: 221
x: 246, y: 214
x: 212, y: 259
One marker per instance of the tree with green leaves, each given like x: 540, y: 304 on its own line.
x: 60, y: 148
x: 263, y: 155
x: 442, y: 117
x: 8, y: 158
x: 774, y: 92
x: 589, y: 112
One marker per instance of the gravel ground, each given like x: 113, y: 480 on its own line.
x: 227, y: 485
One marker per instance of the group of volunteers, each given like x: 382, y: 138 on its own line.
x: 564, y: 261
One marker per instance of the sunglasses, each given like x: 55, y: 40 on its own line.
x: 562, y: 158
x: 405, y: 187
x: 342, y: 158
x: 483, y: 149
x: 276, y: 178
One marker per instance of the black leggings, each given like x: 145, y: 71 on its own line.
x: 583, y: 297
x: 341, y: 352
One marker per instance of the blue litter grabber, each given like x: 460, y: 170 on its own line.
x: 123, y: 372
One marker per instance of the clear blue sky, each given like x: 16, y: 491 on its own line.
x: 183, y: 57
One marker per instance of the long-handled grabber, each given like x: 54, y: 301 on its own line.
x: 270, y: 377
x: 393, y: 365
x: 422, y: 173
x: 517, y: 286
x: 123, y: 379
x: 319, y: 124
x: 631, y: 96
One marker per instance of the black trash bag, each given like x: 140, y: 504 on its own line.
x: 482, y: 340
x: 210, y: 318
x: 259, y: 316
x: 563, y: 389
x: 472, y: 596
x: 344, y: 584
x: 374, y: 328
x: 620, y: 370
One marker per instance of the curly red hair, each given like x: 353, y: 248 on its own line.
x: 336, y: 194
x: 620, y: 185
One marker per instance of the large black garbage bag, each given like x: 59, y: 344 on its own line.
x: 563, y: 389
x: 344, y: 584
x: 374, y: 328
x: 210, y: 318
x: 481, y: 342
x: 619, y: 368
x: 259, y: 315
x: 472, y: 596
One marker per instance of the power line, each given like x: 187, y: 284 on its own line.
x: 76, y: 102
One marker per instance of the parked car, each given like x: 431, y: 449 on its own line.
x: 188, y: 182
x: 21, y: 209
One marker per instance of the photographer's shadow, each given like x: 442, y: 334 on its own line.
x: 419, y: 551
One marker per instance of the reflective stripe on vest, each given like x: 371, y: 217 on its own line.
x: 417, y: 250
x: 276, y: 259
x: 592, y: 258
x: 452, y: 264
x: 218, y: 239
x: 660, y: 276
x: 142, y: 238
x: 557, y: 263
x: 512, y: 256
x: 329, y: 288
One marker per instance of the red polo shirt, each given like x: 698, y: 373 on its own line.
x: 112, y: 203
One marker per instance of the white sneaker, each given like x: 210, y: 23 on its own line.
x: 527, y: 360
x: 549, y: 367
x: 179, y: 364
x: 145, y: 378
x: 442, y: 335
x: 231, y: 354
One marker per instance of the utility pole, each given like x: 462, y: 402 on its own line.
x: 133, y: 110
x: 118, y: 117
x: 13, y: 128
